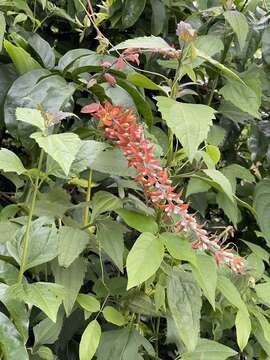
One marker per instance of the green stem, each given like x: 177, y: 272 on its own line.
x: 88, y: 197
x: 26, y: 238
x: 157, y: 338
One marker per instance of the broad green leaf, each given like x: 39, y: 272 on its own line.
x: 21, y: 59
x: 229, y: 207
x: 256, y: 266
x: 90, y: 340
x: 63, y: 148
x: 8, y: 75
x: 71, y: 279
x: 31, y: 116
x: 113, y: 316
x: 230, y: 292
x: 33, y: 89
x: 239, y: 24
x: 132, y: 11
x: 266, y: 44
x: 138, y: 221
x: 218, y: 65
x: 8, y: 272
x: 46, y: 296
x: 141, y: 266
x: 236, y: 171
x: 10, y: 162
x: 144, y: 42
x: 221, y: 181
x: 205, y: 273
x: 258, y: 250
x: 143, y: 81
x: 2, y: 29
x: 88, y: 302
x: 11, y: 343
x: 110, y: 238
x: 216, y: 135
x: 123, y: 345
x: 214, y: 153
x: 112, y: 162
x: 45, y: 353
x: 210, y: 350
x: 243, y: 328
x: 47, y: 331
x: 69, y: 57
x: 17, y: 311
x: 196, y: 186
x: 179, y: 247
x: 104, y: 201
x: 183, y: 120
x: 72, y: 242
x: 242, y: 96
x: 43, y: 243
x: 184, y: 299
x: 262, y: 206
x: 159, y: 16
x: 264, y: 323
x: 263, y: 293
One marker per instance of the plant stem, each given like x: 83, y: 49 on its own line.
x: 88, y: 197
x: 157, y: 338
x: 26, y: 238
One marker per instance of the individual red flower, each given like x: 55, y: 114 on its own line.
x: 110, y: 79
x: 121, y: 127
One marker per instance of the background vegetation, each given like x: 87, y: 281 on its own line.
x: 88, y: 268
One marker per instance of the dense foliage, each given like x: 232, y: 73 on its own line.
x: 134, y: 179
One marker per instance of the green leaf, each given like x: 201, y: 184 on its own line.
x: 144, y: 42
x: 113, y: 316
x: 71, y: 279
x: 264, y: 323
x: 110, y: 237
x: 243, y: 328
x: 209, y: 350
x: 184, y: 122
x: 196, y: 186
x: 17, y: 311
x: 138, y: 221
x: 61, y: 147
x: 47, y: 331
x: 46, y: 296
x: 2, y: 29
x: 72, y: 242
x: 112, y: 162
x: 229, y: 290
x: 179, y: 247
x: 143, y: 82
x: 132, y: 11
x: 242, y: 96
x: 124, y: 345
x: 239, y: 24
x: 10, y: 162
x: 45, y: 353
x: 258, y: 250
x: 21, y: 59
x: 43, y: 243
x: 90, y: 340
x: 141, y: 266
x: 8, y: 272
x: 266, y: 44
x: 262, y: 206
x: 31, y: 116
x: 222, y: 182
x: 184, y: 299
x: 159, y: 16
x: 11, y: 343
x: 88, y: 302
x: 218, y: 65
x: 104, y: 201
x: 214, y: 153
x: 205, y: 273
x: 216, y: 135
x: 72, y: 55
x: 263, y: 291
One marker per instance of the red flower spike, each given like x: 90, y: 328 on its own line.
x: 120, y: 63
x: 120, y: 126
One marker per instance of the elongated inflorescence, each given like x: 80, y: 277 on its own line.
x: 122, y: 128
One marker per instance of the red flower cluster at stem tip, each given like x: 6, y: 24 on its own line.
x: 121, y: 127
